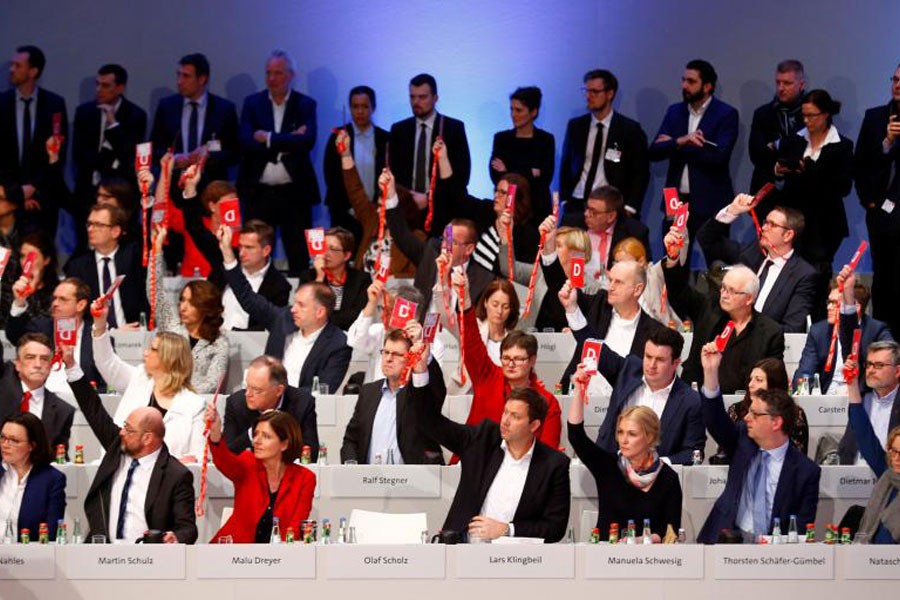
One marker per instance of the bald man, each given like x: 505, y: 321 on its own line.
x: 139, y: 486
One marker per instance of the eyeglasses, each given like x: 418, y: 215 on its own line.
x: 592, y: 91
x: 513, y: 360
x: 895, y: 80
x: 11, y: 440
x: 97, y: 224
x: 770, y: 223
x: 877, y: 365
x: 591, y: 212
x: 131, y: 430
x: 731, y: 291
x: 807, y: 116
x: 391, y: 354
x: 893, y: 453
x: 755, y: 414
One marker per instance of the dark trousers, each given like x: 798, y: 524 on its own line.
x: 284, y: 207
x: 884, y: 239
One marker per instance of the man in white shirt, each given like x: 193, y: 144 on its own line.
x: 882, y: 373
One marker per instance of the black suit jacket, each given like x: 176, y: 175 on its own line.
x: 872, y: 167
x: 793, y: 293
x: 354, y: 299
x: 403, y: 148
x: 520, y: 156
x: 128, y: 262
x: 626, y: 226
x: 772, y: 122
x: 630, y: 174
x: 416, y: 448
x: 543, y: 509
x: 169, y: 505
x: 57, y: 415
x: 239, y: 419
x: 336, y: 193
x: 849, y: 445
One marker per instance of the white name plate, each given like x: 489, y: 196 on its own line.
x: 131, y: 561
x: 708, y: 481
x: 595, y: 411
x: 846, y: 481
x: 824, y: 411
x: 786, y: 561
x: 70, y: 470
x: 28, y: 561
x: 130, y: 346
x: 871, y: 562
x: 657, y: 561
x: 386, y: 481
x: 582, y: 483
x: 249, y: 344
x: 256, y: 561
x: 326, y: 410
x: 377, y: 561
x: 515, y: 561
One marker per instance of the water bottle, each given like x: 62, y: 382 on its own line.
x: 143, y: 321
x: 776, y: 531
x: 793, y: 534
x: 631, y: 533
x: 315, y: 386
x: 275, y: 538
x: 77, y: 538
x: 647, y: 536
x: 815, y: 388
x: 9, y: 537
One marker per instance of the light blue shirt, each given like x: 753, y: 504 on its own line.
x: 364, y: 157
x: 384, y: 428
x: 879, y: 411
x: 775, y: 463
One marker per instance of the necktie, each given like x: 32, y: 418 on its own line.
x: 765, y: 272
x: 595, y: 161
x: 107, y: 282
x: 192, y: 127
x: 601, y: 247
x: 760, y: 492
x: 123, y: 503
x: 26, y: 134
x: 419, y: 183
x: 25, y: 405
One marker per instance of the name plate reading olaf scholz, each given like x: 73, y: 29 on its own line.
x: 124, y: 561
x: 774, y: 561
x: 385, y: 561
x: 386, y: 481
x: 515, y: 561
x: 871, y: 562
x: 256, y: 561
x: 27, y: 561
x: 656, y: 561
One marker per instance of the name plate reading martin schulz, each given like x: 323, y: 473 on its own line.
x: 386, y: 481
x: 28, y: 561
x: 515, y: 561
x: 767, y: 561
x: 385, y: 561
x: 125, y: 561
x: 656, y: 561
x: 256, y: 561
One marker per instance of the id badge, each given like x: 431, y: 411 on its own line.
x: 613, y: 155
x: 214, y: 145
x: 888, y: 206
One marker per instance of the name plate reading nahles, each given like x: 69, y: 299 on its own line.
x: 386, y: 481
x: 708, y: 481
x: 515, y: 561
x: 582, y: 483
x: 595, y: 411
x: 657, y: 561
x: 767, y: 561
x: 256, y: 561
x: 28, y: 561
x: 871, y: 562
x: 846, y: 481
x: 126, y: 561
x: 824, y: 411
x: 382, y: 561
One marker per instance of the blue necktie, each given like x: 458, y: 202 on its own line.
x: 760, y: 489
x: 123, y: 503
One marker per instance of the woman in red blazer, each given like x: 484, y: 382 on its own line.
x: 267, y: 483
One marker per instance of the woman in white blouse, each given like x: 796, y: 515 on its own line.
x: 163, y: 382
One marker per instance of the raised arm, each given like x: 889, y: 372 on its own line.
x: 115, y: 371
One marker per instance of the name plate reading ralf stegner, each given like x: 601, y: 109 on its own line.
x: 386, y: 481
x: 126, y: 561
x: 256, y: 561
x: 384, y: 561
x: 515, y: 561
x: 768, y: 561
x: 657, y: 561
x: 28, y: 561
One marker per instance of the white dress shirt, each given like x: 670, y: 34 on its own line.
x: 117, y: 297
x: 364, y: 157
x: 778, y: 263
x: 135, y: 519
x: 384, y: 428
x: 296, y: 349
x: 276, y: 173
x: 694, y: 118
x: 236, y: 317
x: 11, y: 491
x: 502, y: 499
x: 103, y: 142
x: 656, y: 401
x: 832, y: 137
x: 36, y: 402
x: 600, y: 175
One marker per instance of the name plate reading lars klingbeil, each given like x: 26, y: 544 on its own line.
x: 126, y: 561
x: 256, y: 561
x: 383, y: 561
x: 767, y: 561
x: 846, y: 481
x: 515, y: 561
x: 28, y: 561
x: 824, y: 411
x: 707, y: 481
x: 657, y: 561
x: 871, y: 562
x: 582, y: 483
x: 386, y: 481
x: 595, y: 411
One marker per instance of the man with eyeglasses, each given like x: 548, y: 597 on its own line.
x: 601, y: 148
x: 877, y: 175
x: 384, y: 428
x: 107, y: 259
x: 878, y: 408
x: 787, y: 282
x: 267, y: 389
x: 768, y: 476
x: 607, y: 222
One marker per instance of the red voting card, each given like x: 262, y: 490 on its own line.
x: 404, y: 312
x: 590, y: 355
x: 230, y: 213
x: 113, y: 287
x: 430, y: 327
x: 383, y: 268
x: 57, y: 124
x: 5, y: 253
x: 556, y: 205
x: 762, y: 193
x: 859, y: 252
x: 448, y: 239
x: 672, y: 201
x: 511, y: 199
x: 315, y: 241
x: 722, y: 338
x: 681, y: 217
x: 857, y: 338
x: 158, y: 217
x: 66, y: 331
x: 576, y: 262
x: 28, y: 265
x: 143, y: 156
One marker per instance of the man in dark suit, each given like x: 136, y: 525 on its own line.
x: 100, y: 266
x: 267, y: 389
x: 103, y: 141
x: 602, y: 148
x: 32, y: 158
x: 384, y: 424
x: 136, y: 459
x: 769, y: 477
x: 608, y: 223
x: 697, y: 137
x: 276, y: 178
x: 787, y: 282
x: 368, y: 144
x: 510, y: 485
x: 652, y: 381
x: 877, y: 175
x: 22, y: 388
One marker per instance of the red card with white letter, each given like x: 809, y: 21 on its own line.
x: 511, y: 199
x: 28, y: 265
x: 315, y: 241
x: 590, y: 355
x: 65, y: 331
x: 5, y: 253
x: 404, y: 312
x: 57, y: 124
x: 722, y: 338
x: 113, y: 287
x: 430, y: 327
x: 230, y: 213
x: 383, y: 268
x: 857, y: 338
x: 576, y: 262
x: 672, y: 201
x: 143, y: 156
x: 859, y: 252
x: 762, y: 193
x: 681, y: 217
